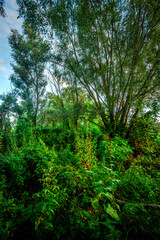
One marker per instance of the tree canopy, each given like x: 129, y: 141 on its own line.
x: 110, y: 48
x: 30, y: 54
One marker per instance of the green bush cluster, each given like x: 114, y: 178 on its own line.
x: 78, y: 187
x: 144, y: 136
x: 115, y: 152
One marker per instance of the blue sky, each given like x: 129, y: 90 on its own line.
x: 10, y: 21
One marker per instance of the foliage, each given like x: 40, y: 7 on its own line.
x: 144, y: 135
x: 138, y: 186
x: 23, y: 132
x: 55, y: 136
x: 115, y: 152
x: 5, y: 108
x: 30, y: 54
x: 89, y: 49
x: 82, y: 161
x: 64, y: 192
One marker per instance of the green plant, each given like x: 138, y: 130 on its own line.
x: 115, y: 152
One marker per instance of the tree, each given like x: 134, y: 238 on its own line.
x: 110, y: 47
x: 63, y: 105
x: 30, y: 54
x: 5, y: 107
x: 2, y: 10
x: 67, y: 98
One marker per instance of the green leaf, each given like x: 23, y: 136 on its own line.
x: 98, y: 183
x: 107, y: 195
x: 95, y: 203
x: 112, y: 212
x: 86, y: 214
x: 49, y: 224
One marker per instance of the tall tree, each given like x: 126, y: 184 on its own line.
x: 5, y: 107
x: 30, y: 54
x: 110, y: 47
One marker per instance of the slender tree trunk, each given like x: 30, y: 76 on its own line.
x: 35, y: 120
x: 131, y: 124
x: 104, y: 120
x: 3, y: 124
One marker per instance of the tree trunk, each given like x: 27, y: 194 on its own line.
x: 131, y: 123
x: 35, y: 120
x: 3, y: 123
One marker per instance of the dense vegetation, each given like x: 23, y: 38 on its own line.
x: 82, y: 161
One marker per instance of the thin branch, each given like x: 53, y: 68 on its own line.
x: 153, y: 205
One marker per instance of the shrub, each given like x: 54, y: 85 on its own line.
x: 137, y: 190
x: 144, y: 135
x: 65, y: 192
x: 115, y: 152
x: 55, y: 136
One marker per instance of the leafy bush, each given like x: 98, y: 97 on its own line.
x: 55, y: 136
x: 115, y: 152
x: 144, y: 136
x: 53, y: 198
x: 60, y: 190
x: 138, y: 190
x: 23, y: 132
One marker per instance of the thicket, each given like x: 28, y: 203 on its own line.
x: 82, y: 161
x: 58, y: 183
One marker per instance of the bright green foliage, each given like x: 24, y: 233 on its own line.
x: 23, y: 132
x: 56, y: 137
x: 115, y: 152
x: 85, y: 151
x: 82, y: 161
x: 62, y: 191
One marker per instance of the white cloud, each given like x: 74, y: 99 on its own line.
x: 4, y: 61
x: 3, y: 69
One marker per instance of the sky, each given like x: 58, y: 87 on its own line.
x: 6, y: 24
